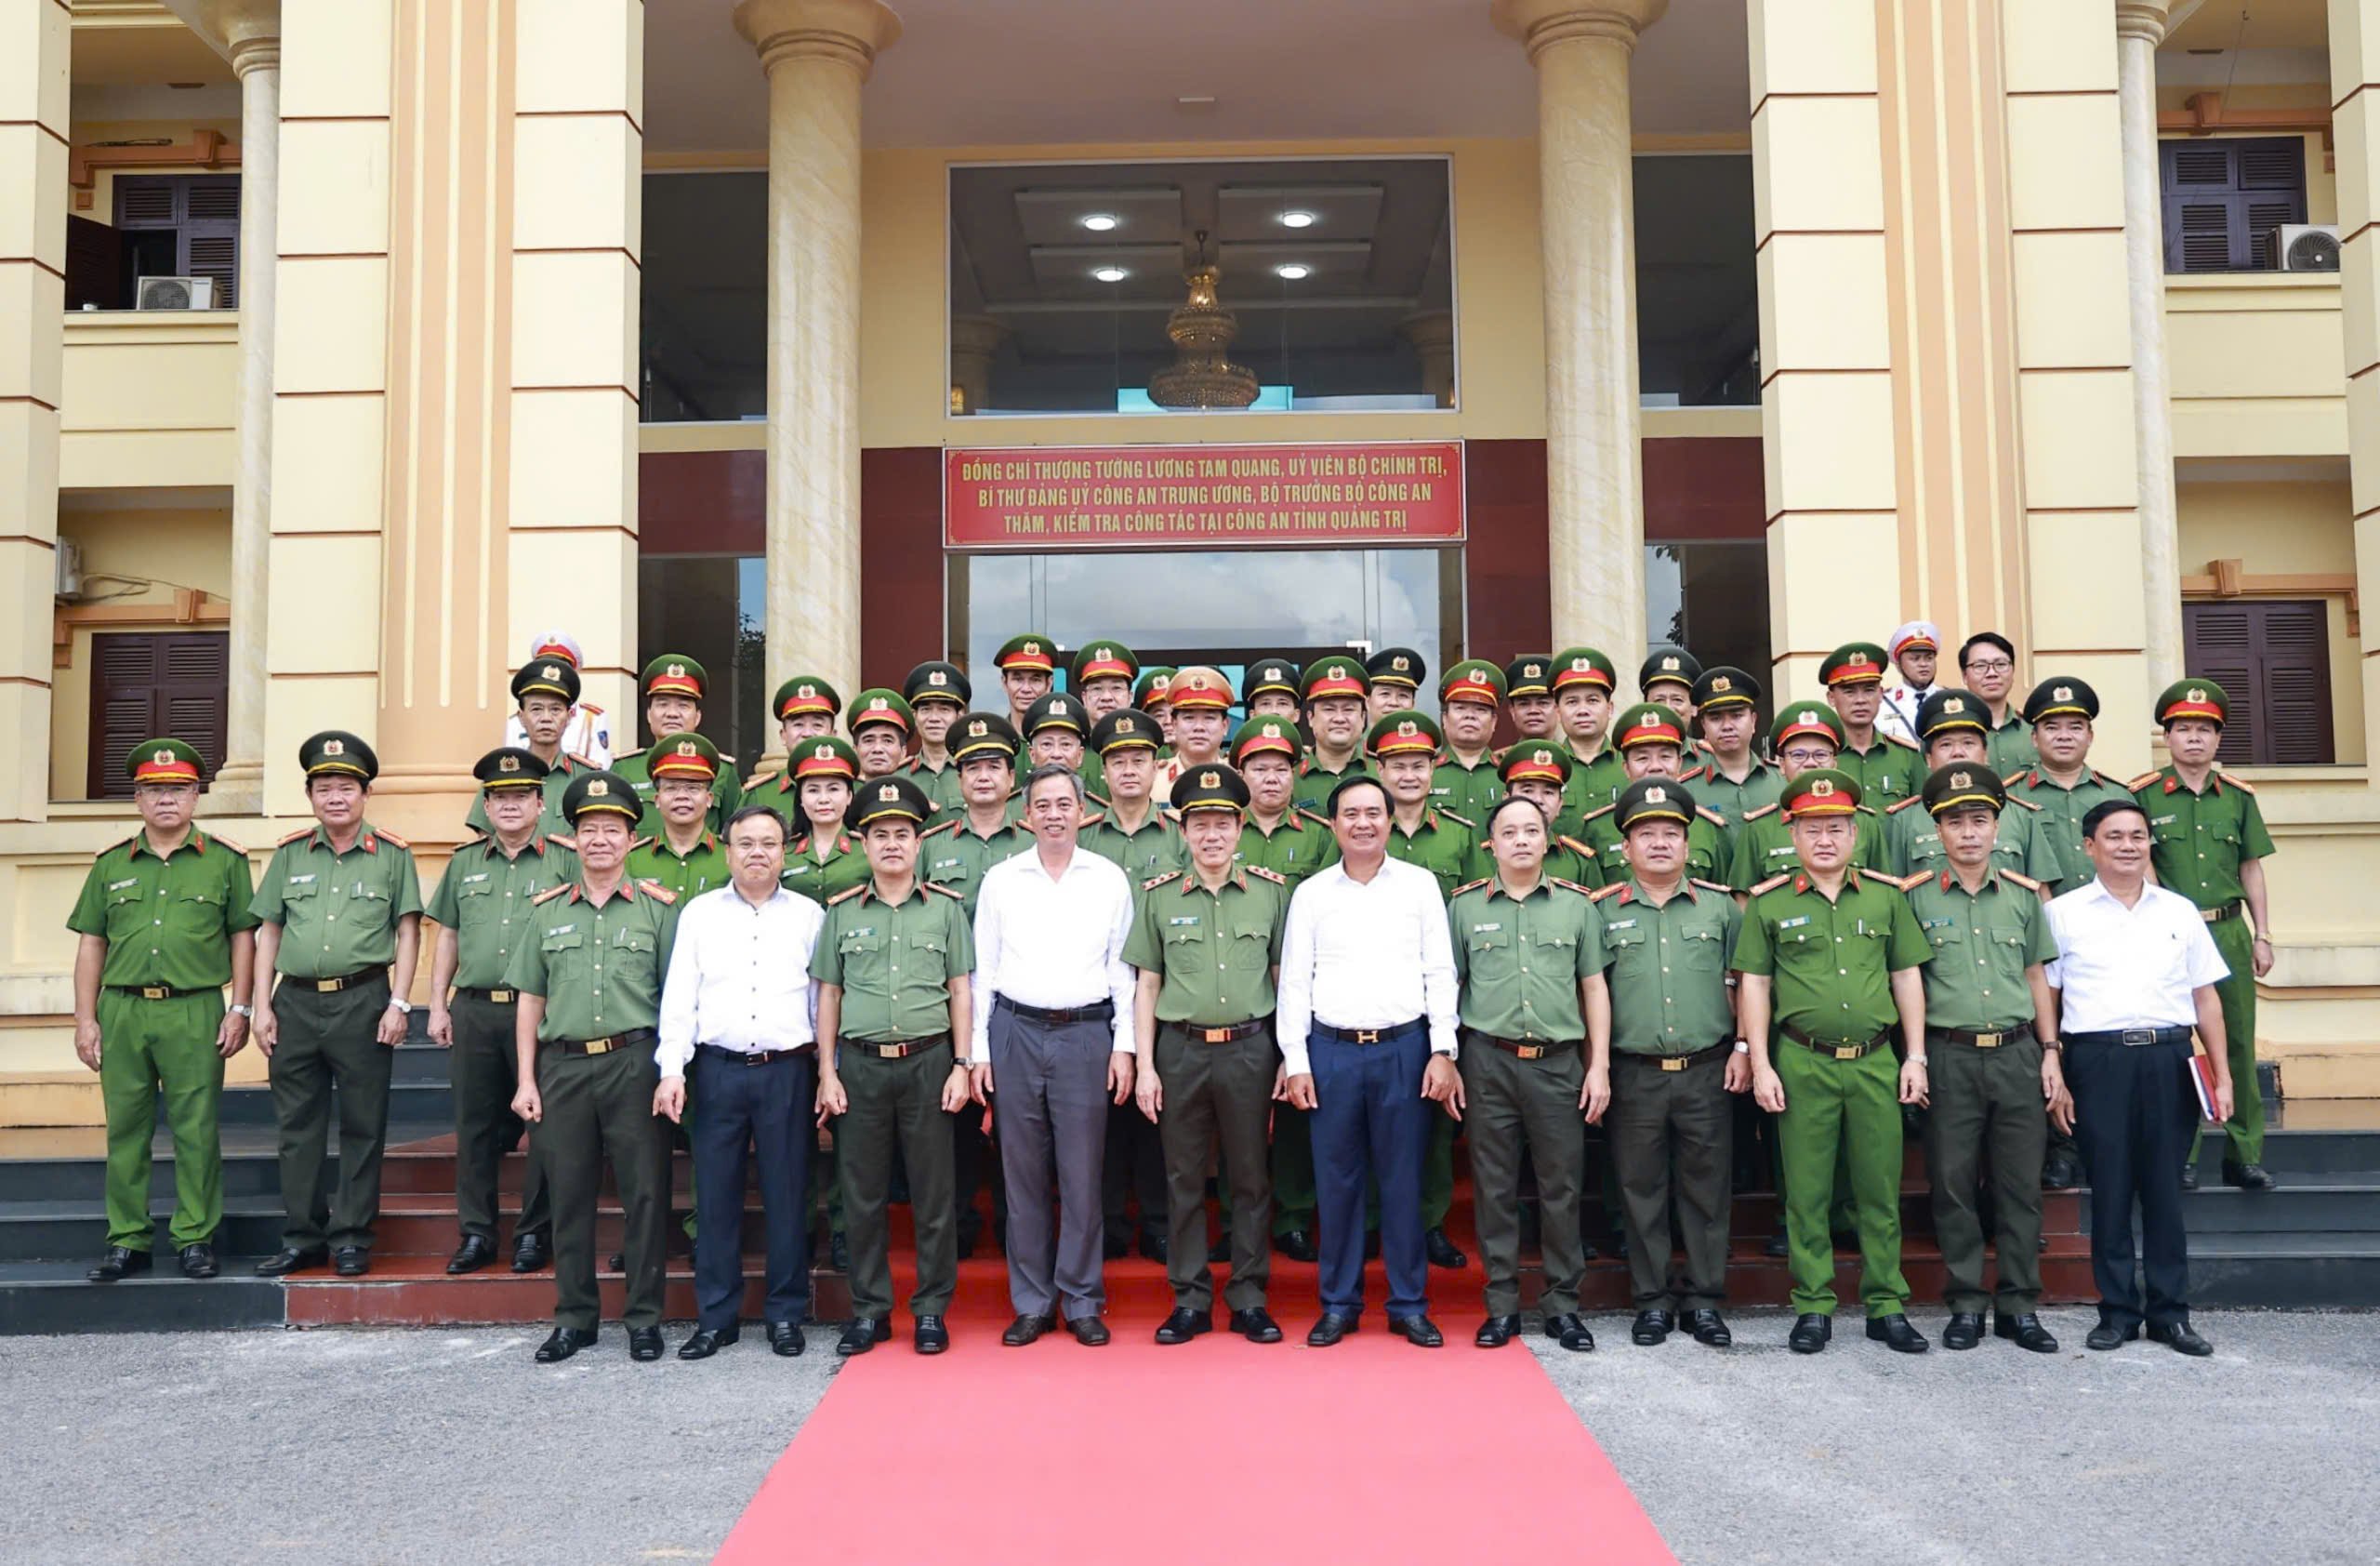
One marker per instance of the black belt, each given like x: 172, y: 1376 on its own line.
x: 1675, y: 1062
x: 1362, y: 1035
x: 2133, y: 1036
x: 1840, y: 1052
x: 2218, y: 915
x: 1054, y: 1017
x: 752, y: 1058
x: 1230, y: 1033
x: 895, y: 1050
x: 333, y: 986
x: 494, y: 997
x: 2016, y: 1035
x: 162, y: 992
x: 606, y: 1045
x: 1527, y: 1049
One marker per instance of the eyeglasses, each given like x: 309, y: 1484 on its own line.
x: 1993, y: 666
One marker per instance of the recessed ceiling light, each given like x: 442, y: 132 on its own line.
x: 1110, y: 274
x: 1099, y: 222
x: 1297, y: 218
x: 1293, y: 271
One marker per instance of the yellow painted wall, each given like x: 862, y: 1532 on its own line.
x: 150, y: 399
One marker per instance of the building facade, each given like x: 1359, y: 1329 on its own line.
x: 805, y: 335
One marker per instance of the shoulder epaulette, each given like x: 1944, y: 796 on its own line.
x: 1095, y: 820
x: 1898, y: 805
x: 227, y: 842
x: 1711, y: 885
x: 1600, y: 893
x: 582, y: 761
x: 949, y: 826
x: 1263, y: 874
x: 1757, y: 814
x: 2010, y: 781
x: 1869, y: 809
x: 1714, y: 816
x: 1153, y: 883
x: 667, y: 896
x: 1311, y: 813
x: 590, y: 707
x: 848, y: 893
x: 938, y: 886
x: 302, y: 832
x: 2142, y: 781
x: 1892, y: 738
x: 645, y: 842
x: 1597, y: 814
x: 125, y: 842
x: 1574, y: 845
x: 1771, y: 884
x: 1465, y: 822
x: 2027, y: 881
x: 1691, y: 776
x: 2241, y: 784
x: 387, y: 836
x: 1582, y: 890
x: 1472, y: 886
x: 1909, y: 883
x: 566, y: 840
x: 549, y: 894
x: 2029, y: 804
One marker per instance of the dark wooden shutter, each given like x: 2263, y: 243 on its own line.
x: 94, y: 265
x: 204, y: 212
x: 144, y: 685
x: 2224, y: 197
x: 2274, y: 660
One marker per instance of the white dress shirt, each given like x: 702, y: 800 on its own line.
x: 739, y: 977
x: 1366, y: 954
x: 1056, y: 942
x: 2129, y: 967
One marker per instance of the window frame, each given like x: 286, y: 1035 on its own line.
x: 2238, y: 196
x: 103, y: 767
x: 2248, y: 738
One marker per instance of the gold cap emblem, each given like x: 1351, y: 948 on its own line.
x: 1101, y: 653
x: 1954, y: 704
x: 935, y: 677
x: 1857, y: 658
x: 1652, y: 721
x: 1211, y: 780
x: 888, y: 796
x: 2063, y: 693
x: 1721, y: 683
x: 1583, y: 666
x: 1670, y: 665
x: 1543, y: 758
x: 2194, y: 693
x: 676, y: 672
x: 597, y: 789
x: 1822, y: 788
x: 503, y: 763
x: 1408, y: 729
x: 1031, y: 647
x: 805, y: 689
x: 338, y: 746
x: 879, y: 704
x: 688, y: 748
x: 824, y: 754
x: 1962, y: 780
x: 164, y: 755
x: 1532, y: 671
x: 1657, y: 795
x: 977, y: 729
x: 1400, y: 663
x: 1335, y: 671
x: 1125, y: 725
x: 550, y: 672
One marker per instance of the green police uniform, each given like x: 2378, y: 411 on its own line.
x: 947, y: 684
x: 551, y: 677
x: 168, y: 924
x: 956, y: 856
x: 2011, y: 742
x: 1298, y: 846
x: 1155, y: 845
x: 1889, y: 770
x: 1671, y: 1120
x: 1913, y: 844
x: 2062, y: 809
x: 1983, y: 1063
x: 558, y: 772
x: 1316, y: 781
x: 1470, y: 789
x: 1829, y: 962
x: 676, y: 674
x: 1520, y: 961
x: 600, y: 972
x: 1708, y: 857
x: 484, y: 897
x: 823, y: 866
x: 1591, y: 784
x: 1732, y: 799
x: 1764, y: 849
x: 893, y: 962
x: 700, y: 868
x: 339, y: 914
x: 1326, y: 678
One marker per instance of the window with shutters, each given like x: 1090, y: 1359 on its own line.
x: 171, y: 685
x: 2272, y: 658
x: 2224, y: 198
x: 182, y: 225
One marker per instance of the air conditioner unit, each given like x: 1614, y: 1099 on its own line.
x: 176, y: 293
x: 2304, y: 248
x: 69, y: 569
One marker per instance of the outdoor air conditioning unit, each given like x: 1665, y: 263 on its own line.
x: 198, y: 293
x: 69, y: 569
x: 2304, y: 248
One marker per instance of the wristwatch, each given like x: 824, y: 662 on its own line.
x: 1742, y: 1047
x: 241, y: 1008
x: 404, y: 1006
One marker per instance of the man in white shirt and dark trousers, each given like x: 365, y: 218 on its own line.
x: 1367, y: 1029
x: 1053, y: 1025
x: 740, y: 1009
x: 2136, y: 972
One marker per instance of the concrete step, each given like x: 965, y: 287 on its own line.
x: 2347, y: 1202
x: 2311, y: 1270
x: 2300, y: 1151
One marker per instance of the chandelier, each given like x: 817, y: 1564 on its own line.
x: 1202, y: 330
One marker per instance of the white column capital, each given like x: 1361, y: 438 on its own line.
x: 1541, y: 24
x: 2144, y: 20
x: 853, y: 31
x: 247, y: 32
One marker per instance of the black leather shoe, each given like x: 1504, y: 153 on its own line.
x: 1329, y: 1329
x: 1775, y: 1244
x: 645, y: 1343
x: 2106, y: 1335
x: 1651, y: 1327
x: 863, y: 1334
x: 1025, y: 1329
x: 562, y: 1342
x: 120, y: 1263
x: 930, y: 1335
x: 707, y: 1341
x: 2060, y: 1173
x: 1810, y: 1334
x: 1297, y: 1245
x: 2189, y: 1177
x: 350, y: 1261
x: 785, y: 1340
x: 2181, y: 1339
x: 1153, y: 1244
x: 838, y: 1252
x: 1090, y: 1330
x: 1441, y: 1251
x: 1256, y: 1324
x: 530, y: 1251
x: 1896, y: 1334
x: 1183, y: 1326
x: 1570, y: 1331
x: 1496, y: 1331
x: 285, y: 1261
x: 1965, y: 1331
x: 2026, y: 1331
x: 2248, y: 1176
x: 1419, y: 1330
x: 474, y: 1253
x: 1710, y: 1329
x: 198, y: 1261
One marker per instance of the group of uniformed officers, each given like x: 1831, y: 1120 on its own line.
x: 1350, y: 929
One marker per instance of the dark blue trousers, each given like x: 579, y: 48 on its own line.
x: 1369, y: 1118
x: 764, y: 1110
x: 2134, y: 1112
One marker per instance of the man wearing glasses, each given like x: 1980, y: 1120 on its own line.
x: 1988, y: 666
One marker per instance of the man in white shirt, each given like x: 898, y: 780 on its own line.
x: 2136, y: 972
x: 1367, y: 1029
x: 1914, y: 650
x: 738, y: 1006
x: 1052, y: 1026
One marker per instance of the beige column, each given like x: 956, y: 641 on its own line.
x: 2140, y: 27
x: 1432, y: 335
x: 2355, y: 121
x: 1586, y: 220
x: 818, y: 55
x: 248, y: 32
x: 33, y: 312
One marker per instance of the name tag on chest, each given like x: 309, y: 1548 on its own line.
x: 1794, y: 923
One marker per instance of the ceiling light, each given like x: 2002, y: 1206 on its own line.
x: 1099, y: 222
x: 1297, y: 218
x: 1293, y: 271
x: 1110, y: 274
